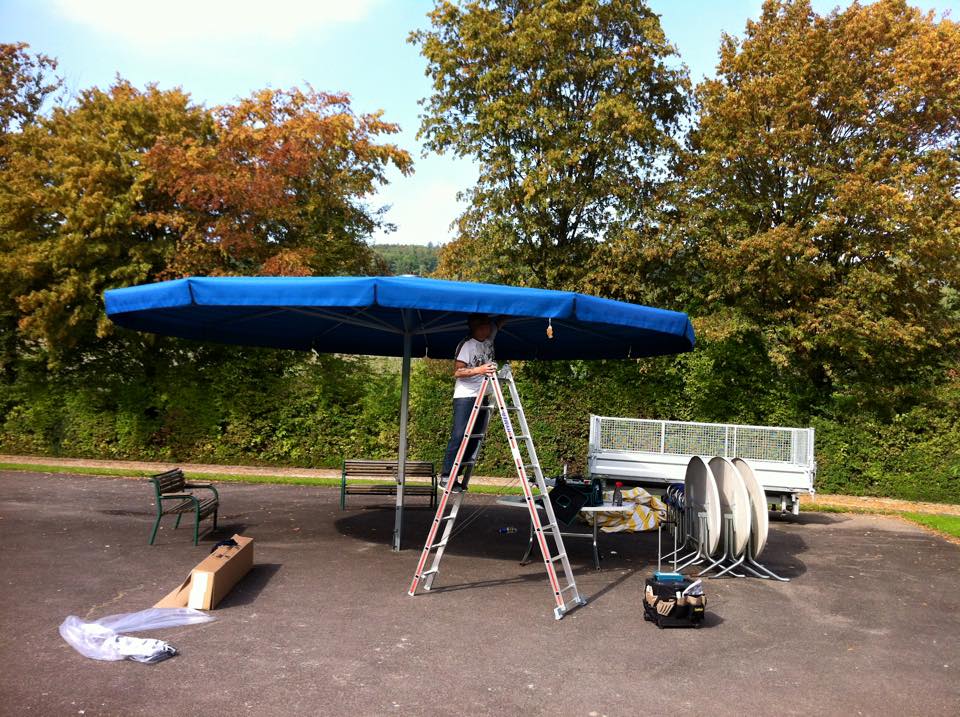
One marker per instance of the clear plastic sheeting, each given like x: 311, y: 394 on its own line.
x: 103, y: 639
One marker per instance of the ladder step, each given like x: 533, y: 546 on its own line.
x: 536, y: 496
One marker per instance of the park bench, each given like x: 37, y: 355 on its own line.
x: 386, y: 470
x: 174, y: 498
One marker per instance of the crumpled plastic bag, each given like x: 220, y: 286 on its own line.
x: 102, y: 639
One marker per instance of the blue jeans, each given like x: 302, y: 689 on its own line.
x: 461, y: 415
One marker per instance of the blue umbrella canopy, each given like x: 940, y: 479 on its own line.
x: 396, y: 316
x: 373, y: 315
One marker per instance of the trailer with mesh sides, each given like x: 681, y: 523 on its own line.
x: 655, y: 453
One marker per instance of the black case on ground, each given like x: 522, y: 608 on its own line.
x: 660, y: 604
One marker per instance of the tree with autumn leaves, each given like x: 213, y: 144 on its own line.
x: 816, y: 205
x: 127, y: 186
x: 282, y: 184
x: 811, y: 211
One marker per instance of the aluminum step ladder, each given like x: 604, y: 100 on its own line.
x: 528, y: 468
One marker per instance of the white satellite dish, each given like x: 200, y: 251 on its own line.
x: 734, y: 500
x: 700, y: 492
x: 760, y: 518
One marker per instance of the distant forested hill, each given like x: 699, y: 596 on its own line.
x: 409, y: 258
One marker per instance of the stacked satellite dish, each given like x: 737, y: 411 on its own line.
x: 719, y: 514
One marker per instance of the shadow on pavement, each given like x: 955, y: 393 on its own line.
x: 625, y: 575
x: 150, y: 513
x: 248, y: 590
x: 476, y: 535
x: 224, y: 531
x: 515, y: 580
x: 818, y: 519
x: 782, y: 552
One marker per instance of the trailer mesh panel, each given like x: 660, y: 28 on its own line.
x: 763, y: 443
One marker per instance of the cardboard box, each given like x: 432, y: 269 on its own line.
x: 213, y: 578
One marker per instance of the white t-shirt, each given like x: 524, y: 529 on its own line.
x: 474, y: 354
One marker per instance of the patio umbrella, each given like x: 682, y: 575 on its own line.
x: 396, y: 316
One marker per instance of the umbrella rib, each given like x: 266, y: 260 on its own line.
x: 509, y: 333
x: 427, y: 329
x: 384, y: 324
x: 429, y: 324
x: 424, y: 331
x: 368, y: 323
x: 335, y: 326
x: 248, y: 317
x: 426, y: 343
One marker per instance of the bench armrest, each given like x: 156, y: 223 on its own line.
x: 206, y: 486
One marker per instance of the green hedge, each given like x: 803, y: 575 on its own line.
x: 278, y: 408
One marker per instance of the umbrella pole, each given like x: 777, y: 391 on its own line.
x: 402, y: 458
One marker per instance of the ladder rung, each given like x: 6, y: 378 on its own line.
x: 534, y: 474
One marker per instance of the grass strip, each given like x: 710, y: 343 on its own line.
x: 232, y: 477
x: 827, y: 508
x: 76, y: 470
x: 948, y: 524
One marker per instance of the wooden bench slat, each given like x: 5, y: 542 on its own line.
x: 411, y: 470
x: 389, y: 489
x: 380, y: 470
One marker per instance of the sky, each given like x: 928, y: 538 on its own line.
x: 219, y: 50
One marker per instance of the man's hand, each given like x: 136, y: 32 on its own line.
x: 488, y: 368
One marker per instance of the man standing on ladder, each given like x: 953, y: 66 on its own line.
x: 524, y: 453
x: 474, y: 358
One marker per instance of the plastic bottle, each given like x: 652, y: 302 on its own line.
x: 617, y: 495
x: 509, y: 530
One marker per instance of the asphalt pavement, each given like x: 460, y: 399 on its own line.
x: 869, y: 624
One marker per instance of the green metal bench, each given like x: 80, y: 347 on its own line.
x: 174, y: 498
x: 387, y: 470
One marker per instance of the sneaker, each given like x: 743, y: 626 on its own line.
x: 457, y: 488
